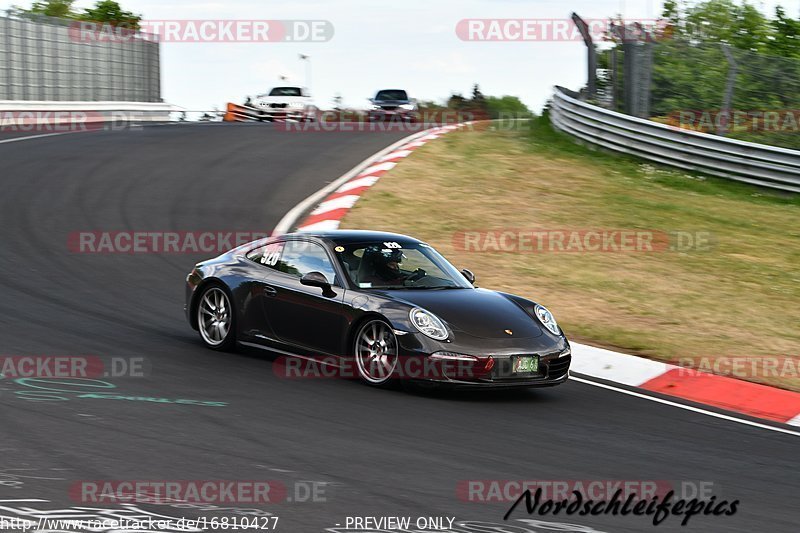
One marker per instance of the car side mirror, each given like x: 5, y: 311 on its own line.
x: 318, y: 279
x: 469, y: 275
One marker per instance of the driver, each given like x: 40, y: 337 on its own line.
x: 386, y: 267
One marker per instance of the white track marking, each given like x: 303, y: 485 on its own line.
x: 388, y: 165
x: 397, y: 154
x: 686, y: 407
x: 322, y: 225
x: 614, y: 366
x: 342, y: 202
x: 41, y: 136
x: 366, y: 181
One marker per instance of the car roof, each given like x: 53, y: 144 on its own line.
x: 355, y: 236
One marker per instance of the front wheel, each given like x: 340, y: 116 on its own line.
x: 376, y: 353
x: 215, y: 319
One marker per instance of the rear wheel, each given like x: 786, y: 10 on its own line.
x: 376, y: 352
x: 215, y: 319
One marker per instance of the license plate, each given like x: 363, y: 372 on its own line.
x: 525, y: 365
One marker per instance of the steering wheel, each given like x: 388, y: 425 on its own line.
x: 417, y: 275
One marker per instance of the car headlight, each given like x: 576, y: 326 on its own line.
x: 407, y: 107
x: 296, y: 105
x: 547, y: 319
x: 375, y: 107
x: 428, y: 324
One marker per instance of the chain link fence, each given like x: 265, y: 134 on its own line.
x: 706, y: 87
x: 49, y: 59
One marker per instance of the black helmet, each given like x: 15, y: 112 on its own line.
x: 380, y: 258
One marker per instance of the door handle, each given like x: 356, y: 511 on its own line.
x: 270, y: 291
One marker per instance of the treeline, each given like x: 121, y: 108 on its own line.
x: 691, y: 70
x: 105, y: 11
x: 481, y: 106
x: 742, y: 25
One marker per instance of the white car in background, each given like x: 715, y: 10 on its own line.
x: 284, y: 103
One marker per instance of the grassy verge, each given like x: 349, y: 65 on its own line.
x: 737, y: 299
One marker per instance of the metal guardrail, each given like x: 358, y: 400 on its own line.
x: 758, y: 164
x: 14, y: 113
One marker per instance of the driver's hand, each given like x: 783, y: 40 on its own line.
x: 418, y: 274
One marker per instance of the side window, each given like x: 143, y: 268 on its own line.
x: 299, y: 258
x: 268, y: 255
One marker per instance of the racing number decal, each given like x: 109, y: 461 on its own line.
x: 393, y: 245
x: 271, y: 259
x: 272, y: 254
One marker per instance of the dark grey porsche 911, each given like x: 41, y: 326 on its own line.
x: 385, y: 305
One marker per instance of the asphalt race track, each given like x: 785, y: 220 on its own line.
x: 367, y: 452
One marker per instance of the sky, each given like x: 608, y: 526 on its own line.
x: 412, y: 44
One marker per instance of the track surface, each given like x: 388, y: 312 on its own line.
x: 382, y: 452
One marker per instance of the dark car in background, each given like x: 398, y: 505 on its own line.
x: 387, y: 306
x: 394, y: 104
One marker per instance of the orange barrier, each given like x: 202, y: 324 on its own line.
x: 239, y: 113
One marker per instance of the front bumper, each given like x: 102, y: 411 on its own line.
x: 393, y: 114
x: 268, y: 113
x: 486, y: 363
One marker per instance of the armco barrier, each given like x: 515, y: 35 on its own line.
x: 758, y: 164
x: 34, y: 112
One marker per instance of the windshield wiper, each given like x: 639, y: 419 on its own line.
x: 413, y: 288
x: 433, y: 288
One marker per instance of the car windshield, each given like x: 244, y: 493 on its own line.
x: 396, y: 266
x: 391, y: 94
x: 286, y: 91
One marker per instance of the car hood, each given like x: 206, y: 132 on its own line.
x: 478, y: 312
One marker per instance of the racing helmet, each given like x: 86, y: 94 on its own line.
x: 385, y: 262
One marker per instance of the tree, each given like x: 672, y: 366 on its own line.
x: 456, y: 101
x: 52, y: 8
x: 506, y: 107
x: 785, y: 35
x: 478, y: 99
x: 724, y: 21
x: 104, y: 11
x: 110, y: 12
